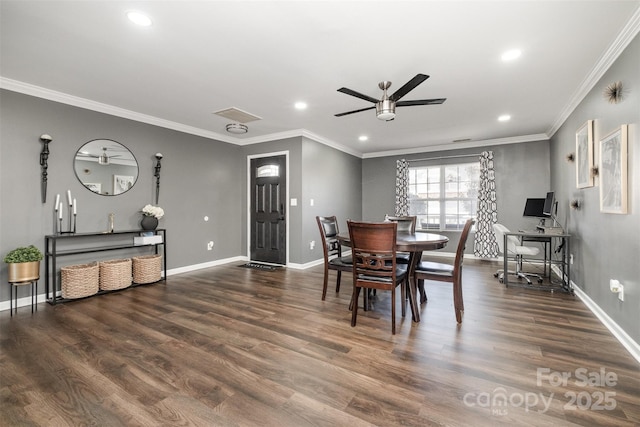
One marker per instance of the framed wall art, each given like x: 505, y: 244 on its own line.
x: 613, y: 172
x: 584, y: 155
x: 96, y: 187
x: 122, y: 183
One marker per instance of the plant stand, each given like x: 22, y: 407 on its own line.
x: 34, y: 294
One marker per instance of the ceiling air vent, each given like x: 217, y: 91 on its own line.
x: 237, y: 115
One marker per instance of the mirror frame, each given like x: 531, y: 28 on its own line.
x: 90, y: 150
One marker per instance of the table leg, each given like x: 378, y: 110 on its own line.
x: 505, y: 258
x: 414, y: 258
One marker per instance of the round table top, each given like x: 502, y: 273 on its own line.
x: 407, y: 242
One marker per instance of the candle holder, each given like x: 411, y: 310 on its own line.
x: 157, y: 175
x: 44, y: 157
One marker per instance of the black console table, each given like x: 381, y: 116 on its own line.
x: 106, y: 242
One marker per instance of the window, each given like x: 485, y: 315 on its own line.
x: 443, y: 197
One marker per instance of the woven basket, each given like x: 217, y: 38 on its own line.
x: 147, y: 269
x: 115, y: 274
x: 79, y: 281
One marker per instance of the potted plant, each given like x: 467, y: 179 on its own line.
x: 24, y: 264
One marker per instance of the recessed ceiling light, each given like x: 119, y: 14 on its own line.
x: 512, y: 54
x: 363, y: 138
x: 139, y: 18
x: 300, y: 105
x: 504, y: 118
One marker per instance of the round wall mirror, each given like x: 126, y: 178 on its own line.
x: 106, y: 167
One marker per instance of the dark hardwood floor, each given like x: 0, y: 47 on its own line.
x: 230, y: 346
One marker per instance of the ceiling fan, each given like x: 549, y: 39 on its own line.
x: 386, y: 107
x: 103, y: 159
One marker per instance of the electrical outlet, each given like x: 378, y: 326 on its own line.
x: 571, y: 259
x: 210, y: 245
x: 312, y: 244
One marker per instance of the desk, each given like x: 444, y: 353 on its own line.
x: 546, y: 238
x: 414, y: 244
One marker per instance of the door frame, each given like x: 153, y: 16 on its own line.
x: 249, y: 201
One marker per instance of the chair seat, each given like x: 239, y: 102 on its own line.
x: 345, y: 261
x: 434, y: 268
x: 401, y: 271
x: 402, y: 257
x: 526, y: 250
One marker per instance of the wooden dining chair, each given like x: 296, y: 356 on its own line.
x: 373, y: 248
x: 427, y: 270
x: 332, y: 251
x: 406, y: 224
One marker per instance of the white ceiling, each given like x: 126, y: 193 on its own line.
x: 199, y: 57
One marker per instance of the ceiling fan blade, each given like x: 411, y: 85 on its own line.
x: 421, y: 102
x: 355, y: 111
x: 408, y: 86
x: 357, y: 94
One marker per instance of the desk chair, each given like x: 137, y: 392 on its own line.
x: 373, y: 247
x: 515, y: 249
x: 332, y: 251
x: 452, y: 273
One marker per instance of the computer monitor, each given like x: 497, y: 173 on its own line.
x: 534, y: 207
x: 548, y: 204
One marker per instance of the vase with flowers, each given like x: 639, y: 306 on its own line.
x: 150, y: 216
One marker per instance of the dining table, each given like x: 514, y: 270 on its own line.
x: 414, y: 244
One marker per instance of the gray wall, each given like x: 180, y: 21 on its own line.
x: 605, y: 246
x: 199, y: 177
x: 333, y: 180
x: 522, y: 171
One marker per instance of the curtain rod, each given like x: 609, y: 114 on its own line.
x: 445, y: 157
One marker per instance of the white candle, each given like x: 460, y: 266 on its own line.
x: 69, y: 197
x: 60, y: 212
x: 75, y: 206
x: 57, y: 200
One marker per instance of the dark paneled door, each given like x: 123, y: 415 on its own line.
x: 268, y: 210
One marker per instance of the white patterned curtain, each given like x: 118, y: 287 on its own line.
x: 485, y: 245
x: 402, y: 187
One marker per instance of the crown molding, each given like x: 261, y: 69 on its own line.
x: 87, y: 104
x: 460, y: 145
x: 626, y: 35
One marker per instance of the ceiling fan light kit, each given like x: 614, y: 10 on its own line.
x: 103, y: 159
x: 386, y: 110
x: 237, y: 128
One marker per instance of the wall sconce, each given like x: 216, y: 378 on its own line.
x: 571, y: 157
x: 575, y: 204
x: 157, y: 175
x: 44, y: 157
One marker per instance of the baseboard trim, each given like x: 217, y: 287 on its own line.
x: 627, y: 342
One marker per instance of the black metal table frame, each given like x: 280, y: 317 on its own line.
x: 566, y: 250
x: 51, y: 284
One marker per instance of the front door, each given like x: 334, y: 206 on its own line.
x: 268, y: 210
